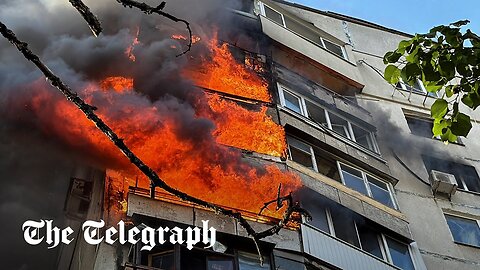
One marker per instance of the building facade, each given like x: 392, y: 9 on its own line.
x: 362, y: 148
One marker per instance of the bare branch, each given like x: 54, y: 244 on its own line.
x: 88, y: 16
x: 88, y: 110
x: 158, y: 10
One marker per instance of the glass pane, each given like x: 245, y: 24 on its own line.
x: 327, y: 167
x: 336, y: 49
x: 316, y: 113
x: 369, y: 240
x: 420, y: 127
x: 345, y: 227
x: 339, y: 125
x: 163, y: 261
x: 220, y: 263
x: 302, y: 30
x: 248, y: 261
x: 287, y: 264
x: 319, y: 218
x: 273, y: 15
x: 464, y: 230
x: 400, y: 254
x: 300, y: 152
x: 380, y: 191
x: 363, y: 137
x: 292, y: 102
x: 353, y: 179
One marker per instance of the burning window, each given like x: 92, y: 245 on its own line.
x: 466, y: 176
x: 367, y: 185
x: 322, y: 117
x: 464, y: 231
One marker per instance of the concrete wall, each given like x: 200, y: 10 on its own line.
x: 424, y: 212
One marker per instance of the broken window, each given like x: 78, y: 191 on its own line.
x: 466, y: 176
x: 399, y: 254
x: 465, y: 231
x: 367, y: 185
x: 78, y: 200
x: 322, y: 117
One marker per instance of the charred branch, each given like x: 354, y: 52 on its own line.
x: 156, y: 181
x: 88, y: 16
x: 158, y: 10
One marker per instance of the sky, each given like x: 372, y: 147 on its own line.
x: 410, y: 16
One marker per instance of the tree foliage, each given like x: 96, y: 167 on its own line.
x: 448, y: 59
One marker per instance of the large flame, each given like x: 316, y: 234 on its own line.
x: 223, y: 73
x: 205, y: 167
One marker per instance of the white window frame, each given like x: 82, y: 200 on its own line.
x: 321, y: 43
x: 367, y: 183
x: 387, y: 250
x: 312, y: 153
x: 445, y: 214
x: 381, y: 240
x: 304, y: 112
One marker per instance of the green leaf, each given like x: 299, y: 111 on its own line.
x: 449, y: 91
x: 392, y: 74
x: 462, y: 125
x: 413, y: 56
x: 448, y: 136
x: 403, y: 45
x: 412, y: 71
x: 472, y: 100
x: 439, y: 108
x: 439, y: 127
x: 391, y: 57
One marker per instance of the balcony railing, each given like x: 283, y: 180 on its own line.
x: 335, y: 252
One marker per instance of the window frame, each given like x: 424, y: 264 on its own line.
x: 312, y: 152
x: 387, y: 250
x: 367, y: 184
x: 477, y: 221
x: 304, y: 112
x: 320, y: 43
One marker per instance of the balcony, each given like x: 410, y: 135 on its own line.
x: 337, y: 253
x: 343, y: 67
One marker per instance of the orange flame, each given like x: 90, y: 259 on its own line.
x: 119, y: 84
x: 195, y: 39
x: 223, y: 73
x: 129, y: 50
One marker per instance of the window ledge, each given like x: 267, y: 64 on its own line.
x: 341, y: 187
x: 334, y: 134
x: 466, y: 245
x: 468, y: 191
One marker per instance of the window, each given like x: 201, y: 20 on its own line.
x: 466, y: 176
x: 399, y: 254
x: 420, y: 127
x: 78, y: 199
x: 465, y: 231
x: 302, y: 30
x: 249, y: 261
x: 361, y: 233
x: 416, y: 88
x: 322, y: 117
x: 164, y: 260
x: 305, y: 155
x: 367, y: 185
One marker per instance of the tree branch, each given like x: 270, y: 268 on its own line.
x: 158, y: 10
x: 88, y: 16
x: 88, y: 110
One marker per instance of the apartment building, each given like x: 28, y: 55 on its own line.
x: 383, y: 194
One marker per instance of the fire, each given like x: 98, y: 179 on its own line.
x: 195, y: 39
x: 129, y: 50
x: 223, y: 73
x: 246, y: 129
x: 119, y: 84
